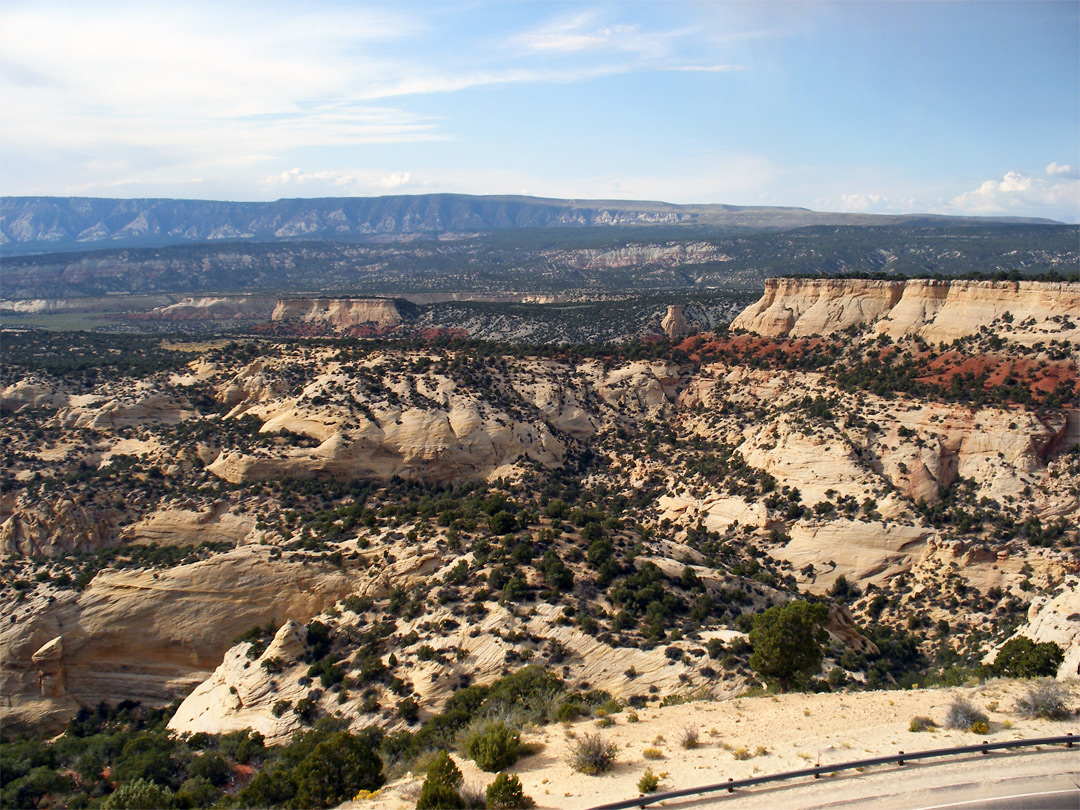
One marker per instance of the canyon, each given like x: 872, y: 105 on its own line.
x: 179, y: 519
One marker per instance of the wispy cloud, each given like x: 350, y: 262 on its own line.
x: 705, y: 68
x: 582, y: 32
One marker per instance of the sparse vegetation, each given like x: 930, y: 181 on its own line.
x: 688, y: 737
x: 563, y: 540
x: 506, y: 793
x: 493, y: 747
x: 649, y: 782
x: 962, y: 714
x: 921, y: 723
x: 593, y: 755
x: 1046, y: 699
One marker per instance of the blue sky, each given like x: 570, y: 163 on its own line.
x: 956, y: 108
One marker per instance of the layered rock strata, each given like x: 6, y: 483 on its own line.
x: 934, y: 310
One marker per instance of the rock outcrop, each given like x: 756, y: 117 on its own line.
x: 60, y: 527
x: 1057, y: 618
x: 674, y: 323
x: 934, y: 310
x: 340, y: 313
x: 148, y: 635
x: 205, y: 308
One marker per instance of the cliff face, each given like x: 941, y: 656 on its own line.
x: 214, y: 308
x: 80, y: 649
x: 340, y: 313
x: 1029, y: 311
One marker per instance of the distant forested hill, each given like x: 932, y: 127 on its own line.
x: 607, y: 258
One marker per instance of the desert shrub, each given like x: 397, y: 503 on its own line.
x: 243, y: 746
x: 979, y: 727
x: 649, y: 782
x: 28, y: 788
x: 921, y: 724
x: 605, y: 722
x: 474, y: 796
x: 568, y: 712
x: 1044, y: 699
x: 494, y: 747
x: 210, y: 766
x: 592, y: 755
x: 963, y: 714
x: 434, y: 796
x: 688, y: 737
x: 138, y: 795
x: 335, y: 769
x: 652, y: 753
x: 408, y: 710
x: 197, y: 792
x: 444, y: 771
x: 146, y: 757
x: 741, y: 753
x: 440, y: 788
x: 505, y: 793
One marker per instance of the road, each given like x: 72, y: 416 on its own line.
x: 1046, y: 780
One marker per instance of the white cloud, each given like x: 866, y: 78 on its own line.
x: 1062, y: 170
x: 866, y: 203
x: 360, y: 182
x: 1019, y: 194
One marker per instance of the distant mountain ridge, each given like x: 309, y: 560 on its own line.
x: 53, y: 224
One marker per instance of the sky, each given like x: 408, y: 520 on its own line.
x: 883, y: 107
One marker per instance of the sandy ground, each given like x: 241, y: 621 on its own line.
x: 779, y: 733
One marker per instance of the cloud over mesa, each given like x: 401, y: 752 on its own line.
x: 1020, y: 194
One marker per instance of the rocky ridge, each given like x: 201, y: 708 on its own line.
x: 934, y: 310
x: 741, y: 482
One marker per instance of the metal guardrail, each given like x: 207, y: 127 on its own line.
x: 899, y: 759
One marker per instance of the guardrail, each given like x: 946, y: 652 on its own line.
x: 899, y: 759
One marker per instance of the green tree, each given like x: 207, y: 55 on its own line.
x: 502, y: 523
x: 212, y: 767
x: 505, y: 793
x: 444, y: 771
x: 1023, y: 658
x: 140, y: 795
x: 28, y: 790
x: 440, y: 788
x: 787, y: 641
x: 434, y: 796
x: 335, y: 770
x: 146, y: 757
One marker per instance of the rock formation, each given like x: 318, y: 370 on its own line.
x: 674, y: 323
x: 149, y: 635
x: 229, y: 307
x: 340, y: 313
x: 1026, y: 311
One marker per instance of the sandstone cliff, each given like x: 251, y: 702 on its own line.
x: 340, y: 313
x: 150, y: 635
x: 1024, y: 311
x: 227, y: 307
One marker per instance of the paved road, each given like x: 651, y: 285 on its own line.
x: 1066, y: 799
x: 1047, y: 780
